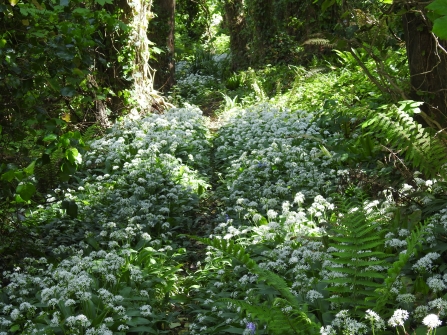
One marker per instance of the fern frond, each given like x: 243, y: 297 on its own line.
x: 279, y: 322
x: 415, y: 239
x: 406, y: 136
x: 301, y: 321
x: 359, y: 243
x: 320, y: 42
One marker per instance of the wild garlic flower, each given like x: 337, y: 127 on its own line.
x: 425, y: 264
x: 398, y: 318
x: 313, y: 295
x: 436, y: 284
x: 432, y: 321
x: 375, y: 320
x: 328, y: 330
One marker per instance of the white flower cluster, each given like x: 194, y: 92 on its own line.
x: 138, y: 182
x: 270, y: 155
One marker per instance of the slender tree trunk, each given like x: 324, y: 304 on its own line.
x: 428, y: 67
x: 162, y: 34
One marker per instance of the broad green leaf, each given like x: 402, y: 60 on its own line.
x: 440, y: 27
x: 8, y: 176
x: 2, y: 43
x: 64, y: 3
x: 50, y: 138
x: 67, y: 169
x: 26, y: 190
x: 73, y: 156
x: 326, y: 4
x: 14, y: 328
x: 13, y: 2
x: 29, y: 170
x: 438, y: 6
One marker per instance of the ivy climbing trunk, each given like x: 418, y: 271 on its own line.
x: 162, y: 30
x: 428, y: 67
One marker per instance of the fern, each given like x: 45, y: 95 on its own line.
x: 279, y: 321
x: 408, y: 137
x: 413, y: 241
x: 358, y: 241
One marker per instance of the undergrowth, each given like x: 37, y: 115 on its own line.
x: 328, y: 216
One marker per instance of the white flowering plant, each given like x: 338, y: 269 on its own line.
x: 111, y: 264
x: 352, y: 252
x: 287, y: 227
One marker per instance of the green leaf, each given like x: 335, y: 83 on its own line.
x: 50, y: 138
x: 26, y: 190
x: 144, y: 329
x: 64, y: 3
x: 103, y: 2
x: 93, y: 243
x: 8, y: 176
x: 233, y: 330
x: 29, y: 170
x: 72, y: 209
x: 440, y: 27
x: 67, y: 169
x: 73, y: 156
x: 438, y: 6
x: 326, y: 4
x: 68, y: 91
x: 14, y: 328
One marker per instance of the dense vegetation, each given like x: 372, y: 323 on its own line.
x: 290, y: 179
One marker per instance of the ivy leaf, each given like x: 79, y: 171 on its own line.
x: 438, y: 6
x: 26, y: 190
x: 440, y: 27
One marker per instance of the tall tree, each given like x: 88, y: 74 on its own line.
x: 427, y: 59
x: 161, y: 33
x: 234, y: 21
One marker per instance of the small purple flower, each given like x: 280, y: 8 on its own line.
x: 251, y: 327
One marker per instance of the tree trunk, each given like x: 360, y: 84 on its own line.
x: 261, y: 19
x: 162, y: 29
x: 428, y: 67
x: 234, y: 21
